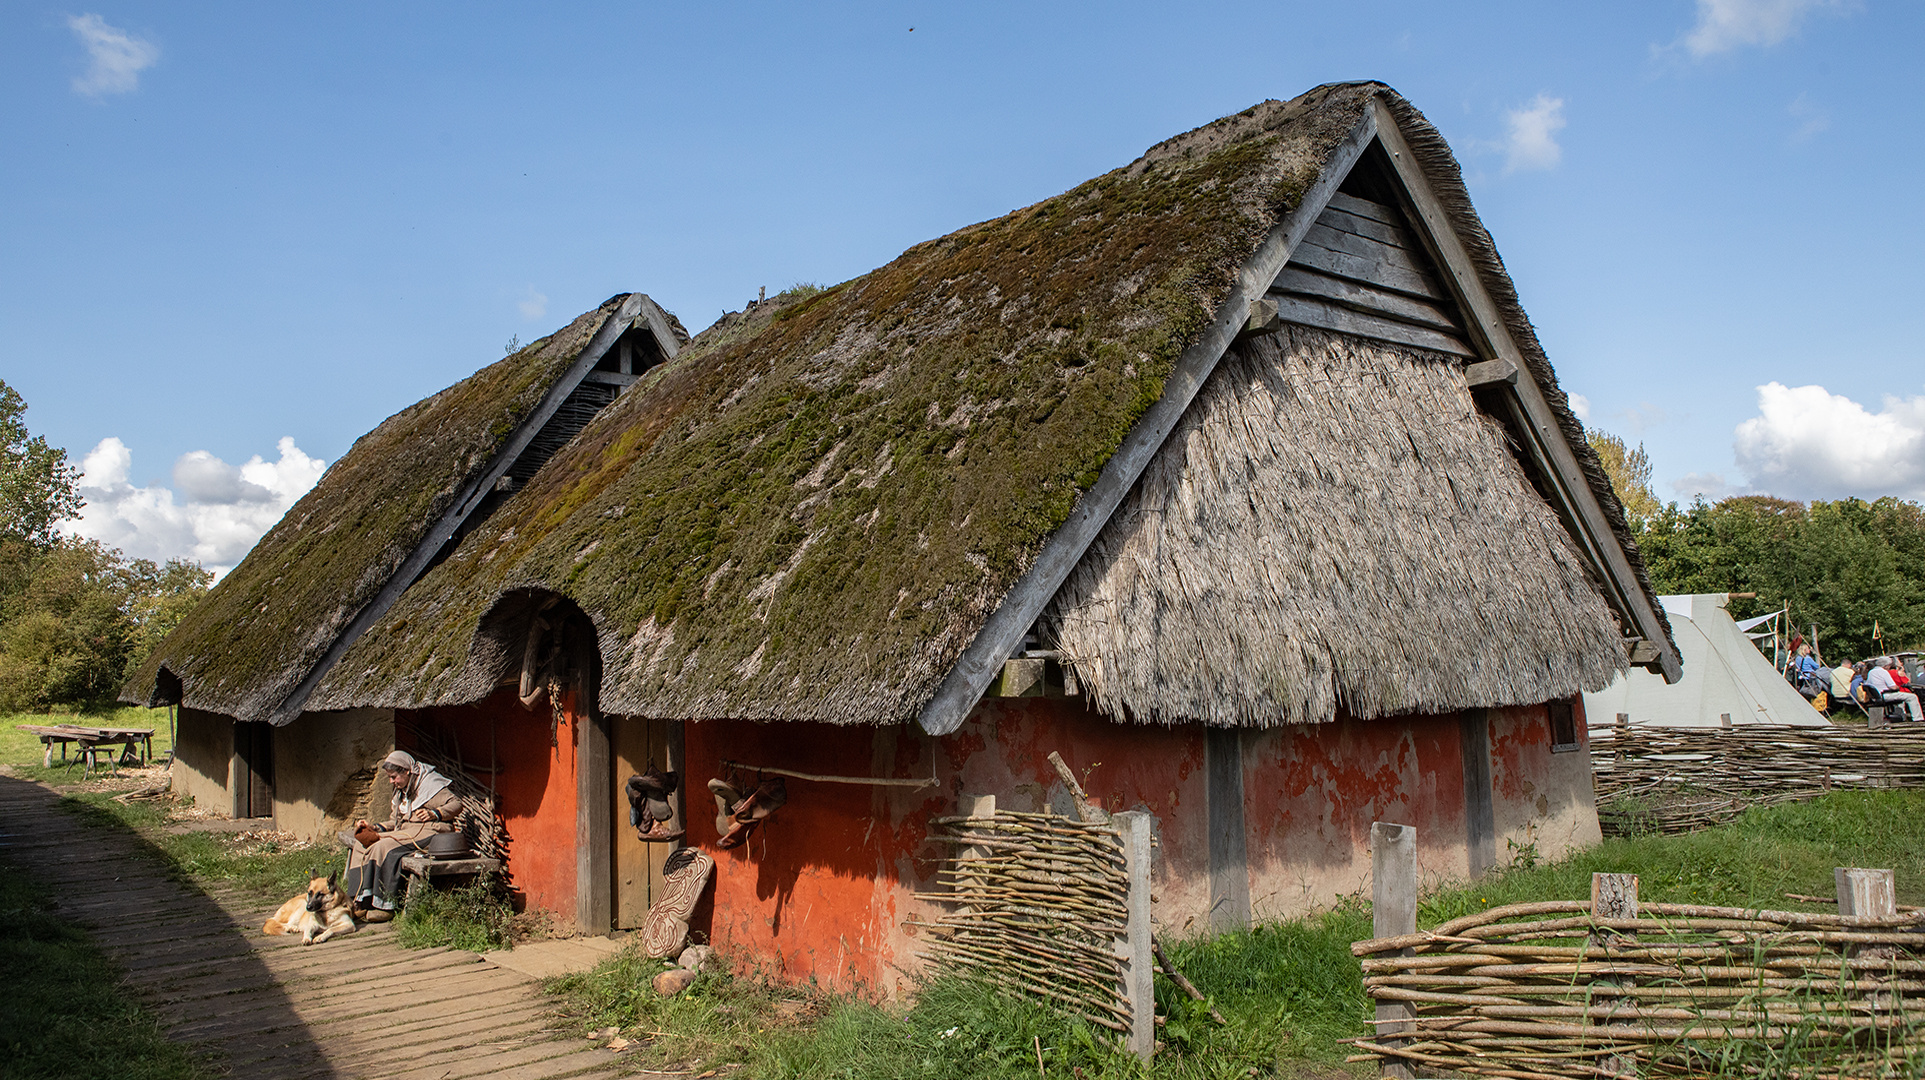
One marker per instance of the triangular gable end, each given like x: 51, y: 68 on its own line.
x: 1370, y: 254
x: 1506, y: 388
x: 638, y: 336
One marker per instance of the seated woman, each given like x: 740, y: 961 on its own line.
x: 423, y: 806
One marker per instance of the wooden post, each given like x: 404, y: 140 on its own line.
x: 594, y: 814
x: 1865, y: 893
x: 1613, y: 896
x: 1393, y: 911
x: 1139, y: 966
x: 1724, y: 719
x: 1223, y: 804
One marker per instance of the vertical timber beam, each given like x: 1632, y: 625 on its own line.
x: 1134, y: 946
x: 1229, y: 858
x: 594, y: 802
x: 1393, y: 912
x: 1480, y: 813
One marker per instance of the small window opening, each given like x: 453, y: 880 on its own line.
x: 1563, y: 727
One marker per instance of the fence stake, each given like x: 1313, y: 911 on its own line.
x: 1724, y: 719
x: 1139, y: 968
x: 1865, y: 893
x: 1614, y: 896
x: 1393, y: 911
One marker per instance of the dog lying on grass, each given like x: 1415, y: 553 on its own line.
x: 317, y: 914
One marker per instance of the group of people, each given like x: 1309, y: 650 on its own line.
x: 1881, y: 681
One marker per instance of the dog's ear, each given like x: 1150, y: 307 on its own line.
x: 334, y: 880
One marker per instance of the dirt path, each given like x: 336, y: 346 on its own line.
x: 358, y: 1006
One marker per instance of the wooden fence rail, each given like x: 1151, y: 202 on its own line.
x: 1609, y: 988
x: 1654, y: 779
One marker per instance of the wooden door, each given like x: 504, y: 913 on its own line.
x: 635, y: 745
x: 252, y: 774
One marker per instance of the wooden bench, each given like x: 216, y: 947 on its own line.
x: 427, y: 869
x: 91, y: 742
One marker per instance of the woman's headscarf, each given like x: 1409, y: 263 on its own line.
x: 422, y: 783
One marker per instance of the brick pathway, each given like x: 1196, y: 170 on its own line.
x: 357, y: 1006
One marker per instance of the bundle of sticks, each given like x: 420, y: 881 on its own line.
x: 1039, y: 906
x: 489, y: 834
x: 1548, y: 990
x: 1653, y: 779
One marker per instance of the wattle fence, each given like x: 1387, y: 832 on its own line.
x: 1612, y: 988
x: 1660, y: 779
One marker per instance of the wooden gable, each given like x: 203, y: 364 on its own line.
x: 1361, y: 270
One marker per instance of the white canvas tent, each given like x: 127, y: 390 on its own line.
x: 1723, y: 673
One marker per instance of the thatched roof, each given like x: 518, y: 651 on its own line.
x: 263, y: 629
x: 828, y: 505
x: 1334, y: 524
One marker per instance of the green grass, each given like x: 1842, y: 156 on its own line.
x: 65, y: 1014
x: 23, y: 751
x: 475, y: 916
x: 1290, y: 991
x: 269, y: 869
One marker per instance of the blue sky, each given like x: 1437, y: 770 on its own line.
x: 240, y: 231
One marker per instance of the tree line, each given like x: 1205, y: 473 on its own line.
x: 76, y: 616
x: 1854, y: 569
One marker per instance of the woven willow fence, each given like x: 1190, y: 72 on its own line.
x: 1552, y: 990
x: 1653, y: 779
x: 1041, y: 903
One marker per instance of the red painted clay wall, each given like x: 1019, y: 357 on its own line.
x: 534, y: 781
x: 1311, y: 793
x: 827, y: 889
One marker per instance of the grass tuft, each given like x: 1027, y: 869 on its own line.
x: 475, y: 916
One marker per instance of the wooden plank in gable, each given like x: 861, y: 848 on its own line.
x: 1366, y: 298
x: 1351, y: 204
x: 1374, y: 272
x: 1311, y: 312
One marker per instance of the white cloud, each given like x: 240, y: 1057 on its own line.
x: 1808, y: 443
x: 224, y: 508
x: 1811, y: 119
x: 1701, y: 485
x: 1724, y: 25
x: 533, y: 305
x: 116, y: 58
x: 1580, y: 405
x: 1531, y: 139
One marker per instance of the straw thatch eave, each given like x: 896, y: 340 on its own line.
x: 266, y: 626
x: 1333, y: 526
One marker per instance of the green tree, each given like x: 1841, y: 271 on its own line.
x: 85, y: 619
x: 36, y: 481
x: 1845, y: 566
x: 1630, y: 473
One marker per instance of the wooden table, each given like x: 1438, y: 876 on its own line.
x: 90, y: 742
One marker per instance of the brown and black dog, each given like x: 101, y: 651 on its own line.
x: 317, y: 914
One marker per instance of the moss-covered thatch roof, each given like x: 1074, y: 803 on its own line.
x: 809, y: 514
x: 814, y: 509
x: 269, y: 621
